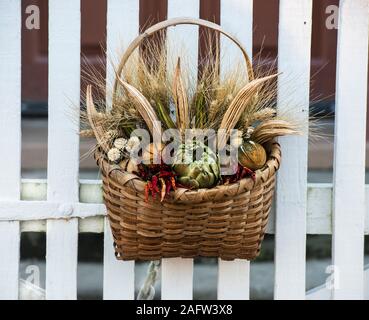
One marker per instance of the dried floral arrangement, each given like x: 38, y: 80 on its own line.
x: 146, y: 96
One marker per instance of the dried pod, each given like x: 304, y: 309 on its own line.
x: 143, y: 107
x: 180, y: 99
x: 252, y: 155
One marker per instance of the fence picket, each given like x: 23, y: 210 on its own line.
x: 236, y: 18
x: 63, y: 159
x: 9, y: 266
x: 122, y: 28
x: 10, y: 141
x: 177, y: 272
x: 294, y: 61
x: 177, y: 279
x: 350, y: 130
x: 61, y: 259
x: 119, y: 281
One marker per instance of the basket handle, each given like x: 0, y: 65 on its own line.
x: 173, y: 22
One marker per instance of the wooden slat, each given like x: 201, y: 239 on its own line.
x: 237, y: 19
x: 122, y: 28
x: 9, y: 266
x: 325, y: 293
x: 177, y: 279
x: 36, y: 210
x: 10, y: 141
x: 234, y: 280
x: 293, y: 92
x: 10, y: 90
x: 181, y: 41
x: 118, y: 275
x: 61, y: 259
x: 63, y: 147
x: 349, y: 157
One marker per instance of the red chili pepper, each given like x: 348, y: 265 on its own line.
x: 168, y: 187
x: 239, y: 173
x: 163, y: 189
x: 163, y: 174
x: 146, y: 192
x: 173, y: 182
x: 151, y: 189
x: 243, y: 173
x: 250, y: 173
x: 154, y: 182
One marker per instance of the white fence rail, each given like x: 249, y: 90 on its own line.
x: 73, y: 207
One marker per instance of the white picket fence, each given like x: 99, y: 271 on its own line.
x: 301, y: 209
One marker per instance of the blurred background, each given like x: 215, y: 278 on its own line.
x: 35, y: 126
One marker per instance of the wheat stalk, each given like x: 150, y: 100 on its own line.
x: 238, y: 105
x: 271, y: 129
x: 92, y: 114
x: 87, y: 133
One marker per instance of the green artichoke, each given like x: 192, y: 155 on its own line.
x: 193, y: 173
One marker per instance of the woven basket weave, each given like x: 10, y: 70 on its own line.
x: 227, y: 221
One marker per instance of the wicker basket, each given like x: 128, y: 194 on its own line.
x: 227, y: 221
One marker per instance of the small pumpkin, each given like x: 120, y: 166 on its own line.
x: 252, y: 155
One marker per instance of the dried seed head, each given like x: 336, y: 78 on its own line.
x: 132, y: 143
x: 213, y: 103
x: 229, y: 97
x: 111, y: 134
x: 120, y: 143
x: 114, y: 154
